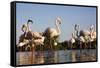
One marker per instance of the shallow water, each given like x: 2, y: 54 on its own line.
x: 41, y: 57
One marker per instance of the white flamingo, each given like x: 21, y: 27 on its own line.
x: 72, y: 40
x: 39, y: 38
x: 53, y: 32
x: 25, y: 29
x: 75, y: 34
x: 89, y: 35
x: 92, y: 33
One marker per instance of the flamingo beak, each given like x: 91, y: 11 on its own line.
x: 30, y: 21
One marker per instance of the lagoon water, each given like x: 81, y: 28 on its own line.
x: 44, y: 57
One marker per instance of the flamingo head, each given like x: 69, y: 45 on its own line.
x: 24, y: 27
x: 58, y: 20
x: 29, y: 21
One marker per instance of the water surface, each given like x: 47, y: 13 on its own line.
x: 41, y: 57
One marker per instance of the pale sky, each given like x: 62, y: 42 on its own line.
x: 44, y: 16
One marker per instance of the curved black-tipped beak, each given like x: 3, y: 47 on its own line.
x: 30, y: 21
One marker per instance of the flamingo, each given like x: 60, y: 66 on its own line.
x: 88, y: 35
x: 39, y: 39
x: 92, y: 33
x: 92, y: 36
x: 72, y: 40
x: 26, y: 30
x: 52, y: 32
x: 75, y: 35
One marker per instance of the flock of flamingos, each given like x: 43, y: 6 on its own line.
x: 80, y: 38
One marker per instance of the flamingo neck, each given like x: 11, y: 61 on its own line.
x: 57, y: 28
x: 28, y: 28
